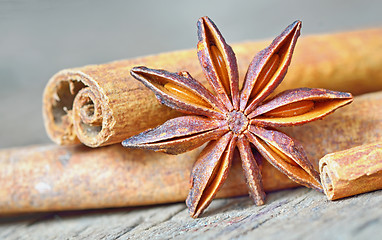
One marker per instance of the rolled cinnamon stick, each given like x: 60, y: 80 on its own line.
x: 47, y: 178
x: 51, y: 177
x: 352, y: 171
x: 102, y: 104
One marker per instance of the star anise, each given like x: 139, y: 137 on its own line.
x: 231, y: 118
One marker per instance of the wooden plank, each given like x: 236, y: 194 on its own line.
x: 289, y: 214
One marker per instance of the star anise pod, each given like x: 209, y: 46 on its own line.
x: 231, y: 118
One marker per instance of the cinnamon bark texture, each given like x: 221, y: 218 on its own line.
x: 47, y: 178
x: 101, y: 104
x: 352, y: 171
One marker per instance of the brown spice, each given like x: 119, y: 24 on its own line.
x: 234, y: 118
x: 53, y: 178
x: 352, y: 171
x: 97, y: 104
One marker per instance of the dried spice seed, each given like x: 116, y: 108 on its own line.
x: 236, y: 119
x: 221, y: 68
x: 265, y: 76
x: 185, y: 94
x: 280, y: 154
x: 292, y: 109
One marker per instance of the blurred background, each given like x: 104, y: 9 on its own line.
x: 40, y: 37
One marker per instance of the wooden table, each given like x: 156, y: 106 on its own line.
x: 290, y: 214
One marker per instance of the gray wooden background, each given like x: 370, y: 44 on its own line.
x: 40, y: 37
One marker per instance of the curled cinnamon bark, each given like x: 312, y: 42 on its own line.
x: 100, y: 105
x: 352, y: 171
x: 97, y: 105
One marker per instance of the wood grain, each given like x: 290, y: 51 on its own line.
x: 233, y: 218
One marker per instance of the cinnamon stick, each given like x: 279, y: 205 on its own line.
x: 47, y: 178
x: 352, y: 171
x: 51, y: 177
x: 100, y: 105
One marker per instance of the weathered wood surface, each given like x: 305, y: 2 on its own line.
x: 288, y: 214
x: 33, y: 49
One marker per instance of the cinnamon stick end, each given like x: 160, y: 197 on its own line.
x: 326, y: 180
x: 353, y: 171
